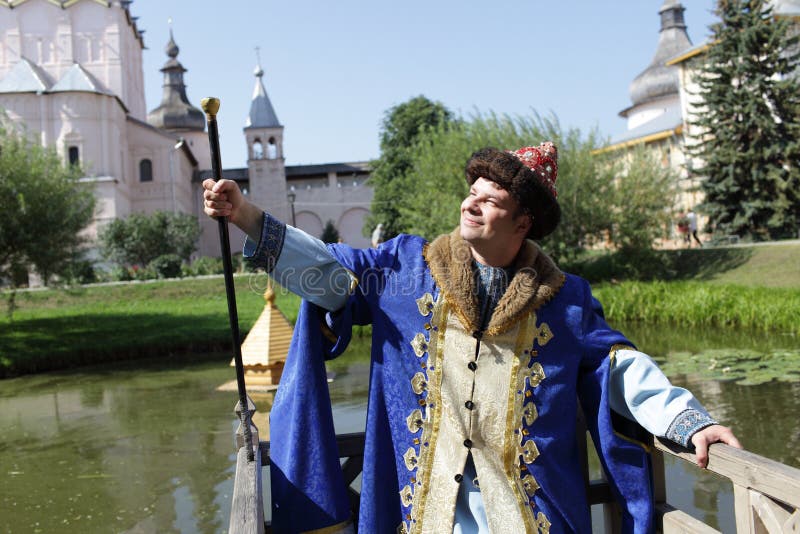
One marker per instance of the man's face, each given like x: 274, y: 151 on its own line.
x: 490, y: 214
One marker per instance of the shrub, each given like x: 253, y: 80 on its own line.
x: 166, y: 266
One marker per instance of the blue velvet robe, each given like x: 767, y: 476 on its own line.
x: 307, y: 487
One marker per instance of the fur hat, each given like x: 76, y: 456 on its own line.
x: 529, y: 174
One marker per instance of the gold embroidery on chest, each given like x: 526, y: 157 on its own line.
x: 406, y: 496
x: 521, y: 449
x: 419, y: 344
x: 543, y: 334
x: 542, y: 523
x: 427, y: 385
x: 419, y: 383
x: 410, y: 458
x: 425, y: 304
x: 414, y: 421
x: 530, y: 452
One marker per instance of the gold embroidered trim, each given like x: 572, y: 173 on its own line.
x: 511, y: 442
x: 430, y: 428
x: 530, y: 413
x: 410, y: 458
x: 425, y: 304
x: 543, y: 334
x: 406, y: 495
x: 414, y: 421
x: 530, y: 452
x: 419, y: 344
x: 542, y: 523
x: 419, y: 383
x: 530, y: 485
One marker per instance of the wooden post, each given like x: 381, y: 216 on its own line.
x: 240, y: 434
x: 247, y: 508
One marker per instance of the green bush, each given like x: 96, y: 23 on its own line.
x: 166, y: 266
x: 202, y: 266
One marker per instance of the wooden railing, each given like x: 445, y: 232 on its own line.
x: 766, y: 492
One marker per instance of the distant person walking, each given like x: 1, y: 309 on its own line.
x: 377, y: 235
x: 692, y: 218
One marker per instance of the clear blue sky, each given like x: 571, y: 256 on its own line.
x: 333, y: 68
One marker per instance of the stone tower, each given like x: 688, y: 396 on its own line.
x: 176, y: 114
x: 265, y: 158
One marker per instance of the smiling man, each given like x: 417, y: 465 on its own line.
x: 483, y: 353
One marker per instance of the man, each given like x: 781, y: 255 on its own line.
x: 692, y: 218
x: 482, y: 351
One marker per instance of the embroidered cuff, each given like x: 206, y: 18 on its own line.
x: 686, y: 424
x: 266, y: 253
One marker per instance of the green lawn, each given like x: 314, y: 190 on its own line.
x: 59, y: 328
x: 754, y: 287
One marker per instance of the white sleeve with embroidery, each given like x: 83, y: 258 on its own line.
x: 641, y: 392
x: 300, y: 263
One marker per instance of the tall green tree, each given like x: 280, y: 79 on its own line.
x: 401, y: 128
x: 329, y: 233
x: 749, y: 123
x: 624, y: 201
x: 45, y: 208
x: 141, y: 238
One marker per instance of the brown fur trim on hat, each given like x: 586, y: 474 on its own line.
x: 507, y: 171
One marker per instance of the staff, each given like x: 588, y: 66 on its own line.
x: 210, y: 106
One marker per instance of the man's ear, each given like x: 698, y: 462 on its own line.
x: 524, y: 223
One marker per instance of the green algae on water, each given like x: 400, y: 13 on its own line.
x: 742, y: 366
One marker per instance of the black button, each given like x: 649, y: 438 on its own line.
x: 477, y: 334
x: 468, y: 443
x: 472, y: 366
x: 469, y: 405
x: 459, y: 477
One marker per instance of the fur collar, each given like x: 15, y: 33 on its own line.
x: 536, y: 280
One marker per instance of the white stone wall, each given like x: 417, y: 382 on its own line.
x: 100, y: 38
x: 342, y: 199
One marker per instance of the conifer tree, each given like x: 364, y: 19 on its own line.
x: 749, y: 123
x: 329, y: 233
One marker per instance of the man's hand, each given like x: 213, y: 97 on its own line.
x: 225, y: 199
x: 222, y: 199
x: 712, y: 434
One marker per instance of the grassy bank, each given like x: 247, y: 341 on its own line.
x: 752, y: 288
x: 774, y: 264
x: 700, y: 304
x: 55, y: 329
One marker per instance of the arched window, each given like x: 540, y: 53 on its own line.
x: 258, y: 149
x: 272, y: 149
x: 145, y: 170
x: 74, y: 155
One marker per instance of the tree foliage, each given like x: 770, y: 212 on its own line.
x: 45, y: 207
x: 329, y: 233
x: 749, y: 124
x: 624, y: 201
x: 401, y: 127
x: 140, y: 238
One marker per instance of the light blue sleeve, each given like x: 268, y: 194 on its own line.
x: 641, y: 392
x: 300, y: 263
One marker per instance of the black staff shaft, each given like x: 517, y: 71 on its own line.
x: 210, y: 106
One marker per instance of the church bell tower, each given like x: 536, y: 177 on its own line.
x: 265, y: 159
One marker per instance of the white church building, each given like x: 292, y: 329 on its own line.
x: 71, y: 76
x: 665, y: 95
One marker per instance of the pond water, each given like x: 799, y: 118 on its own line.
x: 148, y: 447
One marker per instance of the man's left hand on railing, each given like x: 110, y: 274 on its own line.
x: 712, y: 434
